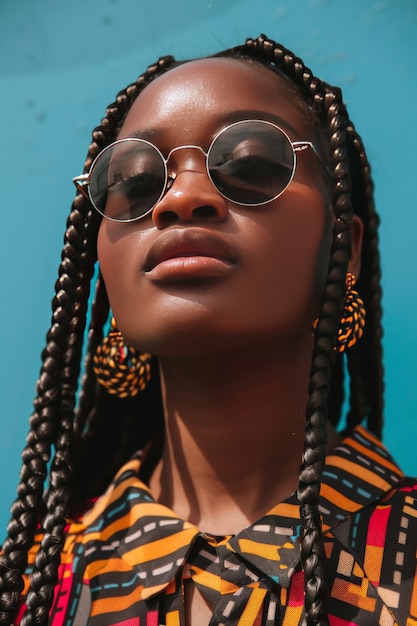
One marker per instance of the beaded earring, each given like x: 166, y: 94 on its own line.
x: 352, y: 321
x: 121, y: 369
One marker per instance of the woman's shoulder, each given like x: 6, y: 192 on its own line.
x: 370, y: 530
x: 366, y: 498
x: 372, y: 557
x: 88, y: 519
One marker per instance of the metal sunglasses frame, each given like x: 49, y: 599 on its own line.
x: 82, y: 182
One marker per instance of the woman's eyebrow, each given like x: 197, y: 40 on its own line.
x: 256, y: 114
x: 228, y: 118
x: 145, y: 133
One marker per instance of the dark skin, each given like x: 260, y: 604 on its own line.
x: 230, y: 314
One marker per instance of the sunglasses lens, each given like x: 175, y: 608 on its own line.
x: 127, y: 179
x: 251, y: 162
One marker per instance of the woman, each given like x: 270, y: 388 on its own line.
x: 229, y: 203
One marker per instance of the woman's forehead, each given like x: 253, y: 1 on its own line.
x: 208, y: 90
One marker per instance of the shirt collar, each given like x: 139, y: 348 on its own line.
x: 155, y: 542
x: 357, y: 473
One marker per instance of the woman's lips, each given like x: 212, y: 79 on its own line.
x: 188, y: 254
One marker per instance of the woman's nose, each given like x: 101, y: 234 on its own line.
x: 191, y: 196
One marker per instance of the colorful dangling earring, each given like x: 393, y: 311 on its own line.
x: 352, y: 321
x: 119, y: 368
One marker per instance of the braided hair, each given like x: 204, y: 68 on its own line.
x: 74, y: 444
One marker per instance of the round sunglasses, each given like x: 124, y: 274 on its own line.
x: 250, y: 163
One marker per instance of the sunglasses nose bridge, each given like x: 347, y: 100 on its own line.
x: 185, y: 147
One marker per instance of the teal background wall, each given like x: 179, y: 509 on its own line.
x: 62, y: 62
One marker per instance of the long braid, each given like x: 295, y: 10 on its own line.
x: 44, y: 575
x: 365, y: 361
x: 368, y: 355
x: 321, y: 370
x: 87, y: 394
x: 312, y: 551
x: 28, y: 508
x: 78, y: 263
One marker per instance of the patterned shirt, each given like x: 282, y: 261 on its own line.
x: 126, y: 559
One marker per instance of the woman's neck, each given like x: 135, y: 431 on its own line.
x: 234, y: 437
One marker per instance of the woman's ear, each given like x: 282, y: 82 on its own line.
x: 356, y: 230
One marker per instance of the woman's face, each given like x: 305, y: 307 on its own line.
x: 200, y: 273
